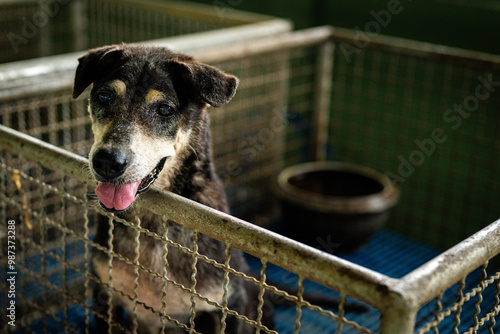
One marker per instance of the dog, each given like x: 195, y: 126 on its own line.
x: 148, y: 109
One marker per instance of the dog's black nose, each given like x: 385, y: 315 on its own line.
x: 109, y: 163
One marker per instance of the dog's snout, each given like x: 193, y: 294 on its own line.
x: 110, y: 163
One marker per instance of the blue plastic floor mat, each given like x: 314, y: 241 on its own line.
x: 394, y: 256
x: 387, y: 253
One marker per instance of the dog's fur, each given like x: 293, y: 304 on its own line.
x: 148, y: 106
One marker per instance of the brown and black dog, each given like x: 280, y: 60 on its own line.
x: 148, y: 107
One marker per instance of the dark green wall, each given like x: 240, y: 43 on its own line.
x: 466, y: 24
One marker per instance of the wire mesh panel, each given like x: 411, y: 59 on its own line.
x: 429, y: 121
x: 248, y: 134
x: 12, y: 42
x: 470, y: 306
x: 52, y: 279
x: 55, y: 118
x: 32, y: 28
x: 133, y: 21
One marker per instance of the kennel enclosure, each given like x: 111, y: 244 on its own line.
x: 315, y: 104
x: 397, y: 298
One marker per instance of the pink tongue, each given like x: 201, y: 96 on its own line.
x: 117, y: 196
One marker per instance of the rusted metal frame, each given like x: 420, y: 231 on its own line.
x: 256, y: 47
x: 56, y: 73
x: 48, y: 155
x: 428, y: 51
x: 448, y: 268
x: 36, y: 71
x: 201, y: 45
x: 221, y: 38
x: 371, y: 287
x: 398, y: 320
x: 50, y: 85
x: 32, y: 71
x: 431, y: 279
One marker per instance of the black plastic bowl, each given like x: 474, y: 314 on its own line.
x: 335, y: 207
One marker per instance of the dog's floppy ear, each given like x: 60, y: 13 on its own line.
x: 92, y: 65
x: 211, y: 84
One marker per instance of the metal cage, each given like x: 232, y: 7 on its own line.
x: 299, y: 99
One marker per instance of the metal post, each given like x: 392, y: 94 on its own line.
x: 398, y: 321
x: 323, y: 86
x: 79, y: 25
x: 44, y: 42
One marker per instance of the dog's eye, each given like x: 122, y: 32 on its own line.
x: 104, y: 97
x: 165, y: 110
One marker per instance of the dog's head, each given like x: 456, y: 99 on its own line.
x: 144, y: 105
